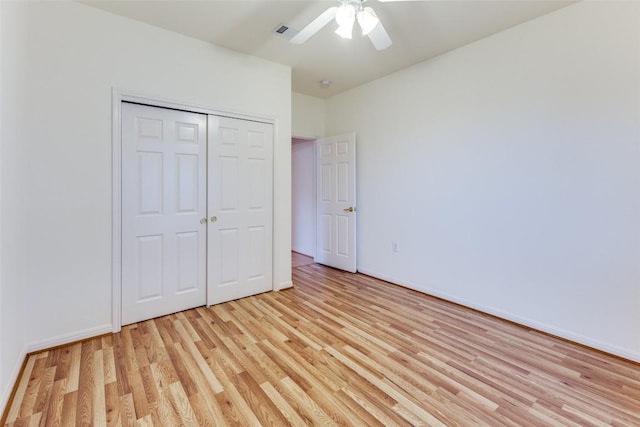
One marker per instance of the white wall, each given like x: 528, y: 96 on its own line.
x: 13, y: 95
x: 508, y: 171
x: 307, y: 116
x: 77, y: 54
x: 303, y: 197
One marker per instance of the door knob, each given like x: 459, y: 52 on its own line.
x: 349, y: 209
x: 214, y: 218
x: 203, y: 221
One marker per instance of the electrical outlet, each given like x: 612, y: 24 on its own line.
x: 395, y: 247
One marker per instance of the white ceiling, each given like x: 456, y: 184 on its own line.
x: 419, y: 30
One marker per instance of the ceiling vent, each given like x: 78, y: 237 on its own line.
x: 285, y: 31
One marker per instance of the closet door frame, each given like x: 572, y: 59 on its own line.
x: 118, y: 96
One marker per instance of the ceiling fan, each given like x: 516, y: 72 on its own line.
x: 345, y: 15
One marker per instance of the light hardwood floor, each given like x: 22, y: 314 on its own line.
x: 337, y: 349
x: 300, y: 260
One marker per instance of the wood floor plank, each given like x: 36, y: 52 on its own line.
x: 200, y: 368
x: 165, y: 409
x: 283, y: 405
x: 152, y: 394
x: 122, y: 379
x: 99, y: 409
x: 183, y: 406
x: 201, y: 407
x: 69, y: 409
x: 204, y: 389
x: 336, y: 349
x: 265, y: 410
x: 127, y: 410
x: 182, y: 374
x: 73, y: 377
x: 112, y: 406
x: 306, y: 407
x: 86, y: 385
x: 23, y: 383
x: 32, y: 389
x: 53, y: 413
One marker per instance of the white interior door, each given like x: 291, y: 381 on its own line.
x: 336, y: 202
x: 163, y: 204
x: 240, y: 208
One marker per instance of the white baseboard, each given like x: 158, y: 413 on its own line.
x: 69, y: 338
x: 303, y: 252
x: 285, y: 285
x: 13, y: 379
x: 550, y: 329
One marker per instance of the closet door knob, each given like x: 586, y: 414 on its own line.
x: 203, y: 221
x: 214, y: 218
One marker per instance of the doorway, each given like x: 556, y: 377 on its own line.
x: 303, y: 197
x: 324, y: 200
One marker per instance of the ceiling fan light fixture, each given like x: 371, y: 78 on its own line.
x: 345, y: 14
x: 345, y: 31
x: 345, y: 17
x: 368, y: 20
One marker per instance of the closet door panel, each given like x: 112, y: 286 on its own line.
x: 241, y: 203
x: 163, y: 204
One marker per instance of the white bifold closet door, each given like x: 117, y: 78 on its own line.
x: 240, y: 208
x: 164, y: 202
x: 197, y: 210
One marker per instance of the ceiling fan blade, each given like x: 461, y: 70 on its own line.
x: 315, y: 26
x: 379, y: 37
